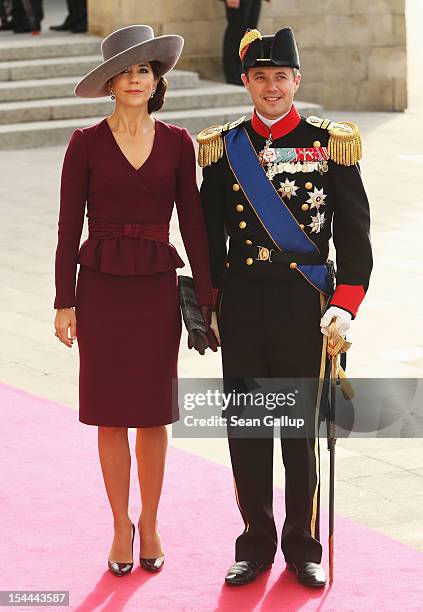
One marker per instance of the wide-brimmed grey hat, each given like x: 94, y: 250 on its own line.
x: 123, y: 48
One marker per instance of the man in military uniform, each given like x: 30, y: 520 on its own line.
x: 279, y: 185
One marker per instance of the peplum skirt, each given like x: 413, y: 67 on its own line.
x: 128, y: 336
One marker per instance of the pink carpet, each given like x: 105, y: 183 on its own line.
x: 56, y: 531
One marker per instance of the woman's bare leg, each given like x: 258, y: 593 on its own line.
x: 150, y: 448
x: 115, y: 460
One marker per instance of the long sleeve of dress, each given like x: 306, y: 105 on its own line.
x: 73, y: 196
x: 191, y: 221
x: 213, y: 202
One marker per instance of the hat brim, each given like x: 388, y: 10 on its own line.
x: 165, y: 50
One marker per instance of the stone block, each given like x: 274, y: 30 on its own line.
x: 376, y: 95
x: 334, y: 95
x: 400, y: 94
x: 334, y: 65
x: 208, y: 66
x: 309, y: 31
x: 392, y: 7
x: 266, y: 25
x: 210, y: 41
x: 281, y: 9
x: 388, y: 62
x: 358, y: 30
x: 171, y: 10
x: 400, y: 30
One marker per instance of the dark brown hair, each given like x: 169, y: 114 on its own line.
x: 294, y: 70
x: 157, y: 101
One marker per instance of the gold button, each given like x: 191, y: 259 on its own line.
x: 227, y: 264
x: 248, y: 242
x: 301, y: 226
x: 308, y: 185
x: 249, y: 261
x: 317, y: 144
x: 242, y: 225
x: 239, y: 207
x: 235, y: 187
x: 305, y: 207
x: 293, y: 265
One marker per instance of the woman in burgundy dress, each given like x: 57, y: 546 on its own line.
x: 129, y: 169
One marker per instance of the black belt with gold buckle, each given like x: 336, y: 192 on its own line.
x: 273, y: 256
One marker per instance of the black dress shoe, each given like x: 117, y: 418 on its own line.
x: 309, y: 574
x: 152, y: 565
x: 79, y: 29
x: 61, y: 28
x: 243, y: 572
x: 122, y: 568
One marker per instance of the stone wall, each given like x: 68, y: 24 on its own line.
x: 353, y: 52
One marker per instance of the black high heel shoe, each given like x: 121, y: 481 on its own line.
x: 154, y: 564
x: 122, y: 568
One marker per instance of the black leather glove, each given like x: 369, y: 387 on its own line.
x: 212, y: 340
x: 198, y: 340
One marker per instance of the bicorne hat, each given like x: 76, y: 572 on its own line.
x: 257, y: 51
x: 122, y: 48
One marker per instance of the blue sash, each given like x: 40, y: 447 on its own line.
x: 274, y: 215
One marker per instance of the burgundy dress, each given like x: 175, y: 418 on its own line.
x: 126, y: 296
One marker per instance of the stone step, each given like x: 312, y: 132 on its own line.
x: 59, y: 46
x: 61, y: 87
x: 48, y: 67
x: 57, y: 132
x: 215, y: 95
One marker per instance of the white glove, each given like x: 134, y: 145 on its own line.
x: 343, y: 320
x: 214, y: 326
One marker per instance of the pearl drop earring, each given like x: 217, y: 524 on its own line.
x: 152, y: 93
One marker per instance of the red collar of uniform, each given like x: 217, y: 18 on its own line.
x: 279, y: 129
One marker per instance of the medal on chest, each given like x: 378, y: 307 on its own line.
x: 294, y: 160
x: 266, y: 154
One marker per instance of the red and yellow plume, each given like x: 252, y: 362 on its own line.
x: 249, y: 37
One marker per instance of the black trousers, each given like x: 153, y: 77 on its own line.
x: 20, y: 17
x: 270, y: 329
x: 4, y: 17
x: 77, y: 10
x: 238, y: 20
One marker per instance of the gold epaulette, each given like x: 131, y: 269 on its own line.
x: 211, y: 142
x: 344, y: 146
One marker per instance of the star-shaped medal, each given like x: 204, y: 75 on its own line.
x: 288, y: 189
x: 317, y: 222
x: 317, y: 198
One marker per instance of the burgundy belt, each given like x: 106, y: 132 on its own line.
x: 98, y: 230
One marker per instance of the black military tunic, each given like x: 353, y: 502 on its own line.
x: 269, y: 313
